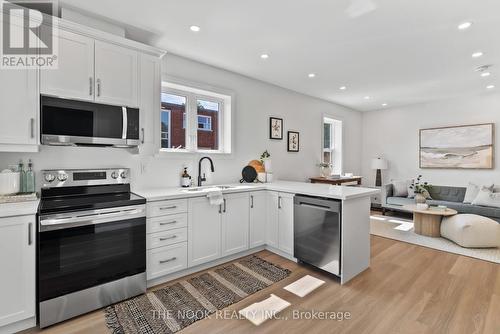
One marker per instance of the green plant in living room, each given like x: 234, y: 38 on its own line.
x: 421, y: 189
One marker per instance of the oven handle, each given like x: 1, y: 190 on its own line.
x: 90, y: 218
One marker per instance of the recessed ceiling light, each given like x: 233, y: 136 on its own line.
x: 485, y: 74
x: 264, y: 56
x: 195, y: 28
x: 367, y: 97
x: 342, y: 87
x: 464, y: 25
x: 490, y: 87
x: 477, y: 54
x: 384, y: 104
x: 311, y: 75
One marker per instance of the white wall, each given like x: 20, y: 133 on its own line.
x: 255, y: 102
x: 394, y: 135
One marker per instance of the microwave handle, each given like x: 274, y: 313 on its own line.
x: 124, y: 122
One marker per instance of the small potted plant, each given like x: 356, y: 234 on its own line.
x: 265, y: 158
x: 325, y: 169
x: 421, y: 189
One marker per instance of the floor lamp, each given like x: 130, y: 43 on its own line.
x: 379, y: 164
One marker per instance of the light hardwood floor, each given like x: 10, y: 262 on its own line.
x: 408, y: 289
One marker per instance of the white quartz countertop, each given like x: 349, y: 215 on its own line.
x: 312, y: 189
x: 18, y: 208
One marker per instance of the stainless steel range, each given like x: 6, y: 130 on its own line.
x: 91, y: 242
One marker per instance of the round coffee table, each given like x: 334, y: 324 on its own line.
x: 428, y: 222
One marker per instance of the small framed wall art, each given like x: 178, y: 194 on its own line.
x: 275, y: 128
x: 293, y: 141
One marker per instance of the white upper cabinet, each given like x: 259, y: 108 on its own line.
x: 74, y: 77
x: 258, y: 216
x: 115, y: 74
x: 17, y: 257
x: 204, y: 231
x: 149, y: 98
x: 235, y: 216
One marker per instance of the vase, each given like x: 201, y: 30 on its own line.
x: 419, y: 198
x: 326, y: 171
x: 268, y: 165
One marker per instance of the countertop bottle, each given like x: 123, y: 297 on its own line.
x: 30, y: 178
x: 22, y: 177
x: 185, y: 179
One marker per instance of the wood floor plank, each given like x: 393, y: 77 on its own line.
x: 407, y: 289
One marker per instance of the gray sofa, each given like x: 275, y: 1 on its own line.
x: 452, y: 197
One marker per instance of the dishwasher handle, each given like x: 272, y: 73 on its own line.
x: 318, y: 203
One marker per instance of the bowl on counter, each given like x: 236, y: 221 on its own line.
x: 9, y: 183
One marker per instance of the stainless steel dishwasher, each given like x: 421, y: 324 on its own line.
x: 317, y: 232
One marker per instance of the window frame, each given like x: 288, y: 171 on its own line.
x: 336, y: 142
x: 192, y: 95
x: 169, y: 125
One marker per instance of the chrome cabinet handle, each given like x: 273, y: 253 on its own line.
x: 168, y: 238
x: 98, y: 87
x: 142, y: 132
x: 168, y: 260
x: 169, y: 207
x: 279, y: 202
x: 30, y: 234
x: 251, y: 201
x: 168, y: 223
x: 91, y: 90
x: 220, y: 208
x: 32, y: 127
x: 224, y: 205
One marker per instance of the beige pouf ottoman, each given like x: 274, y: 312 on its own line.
x: 471, y: 231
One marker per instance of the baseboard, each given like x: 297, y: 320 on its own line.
x: 18, y: 326
x: 281, y: 253
x: 204, y: 266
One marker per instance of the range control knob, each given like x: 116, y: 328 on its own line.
x: 62, y: 177
x: 49, y: 177
x: 123, y: 175
x: 114, y: 175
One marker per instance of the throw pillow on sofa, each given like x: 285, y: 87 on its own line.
x: 472, y: 192
x: 487, y: 197
x: 400, y: 188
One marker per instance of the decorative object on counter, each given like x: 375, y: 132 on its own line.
x: 257, y: 165
x: 420, y: 189
x: 379, y: 164
x: 10, y: 182
x: 249, y: 174
x: 461, y: 147
x: 325, y: 169
x: 261, y: 177
x: 22, y: 177
x: 18, y: 198
x: 185, y: 179
x: 247, y: 276
x: 293, y: 141
x: 30, y: 178
x: 275, y: 128
x: 269, y: 177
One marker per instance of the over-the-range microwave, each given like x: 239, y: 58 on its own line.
x: 70, y: 122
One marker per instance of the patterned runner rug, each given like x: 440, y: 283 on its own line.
x: 175, y: 307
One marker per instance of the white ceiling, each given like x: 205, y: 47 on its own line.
x: 395, y: 51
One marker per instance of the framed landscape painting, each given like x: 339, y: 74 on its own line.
x: 460, y: 147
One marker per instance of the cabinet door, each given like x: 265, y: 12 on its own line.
x: 149, y: 99
x: 204, y: 231
x: 74, y: 77
x: 258, y: 207
x: 115, y: 74
x: 285, y: 223
x: 272, y: 219
x: 235, y: 216
x: 17, y: 258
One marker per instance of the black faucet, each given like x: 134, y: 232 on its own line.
x: 200, y: 178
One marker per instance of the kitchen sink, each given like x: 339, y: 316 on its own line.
x: 209, y: 188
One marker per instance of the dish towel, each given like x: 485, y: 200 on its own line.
x: 215, y: 197
x: 257, y: 313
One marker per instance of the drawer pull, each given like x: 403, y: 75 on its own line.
x: 168, y: 223
x: 168, y: 238
x: 169, y: 207
x: 169, y: 260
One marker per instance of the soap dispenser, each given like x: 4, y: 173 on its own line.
x: 185, y: 179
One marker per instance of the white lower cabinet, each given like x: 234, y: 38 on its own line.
x: 17, y: 259
x: 204, y: 231
x: 166, y: 260
x: 235, y: 219
x: 258, y: 214
x: 279, y: 232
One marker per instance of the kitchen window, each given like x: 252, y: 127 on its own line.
x: 194, y: 120
x: 332, y: 144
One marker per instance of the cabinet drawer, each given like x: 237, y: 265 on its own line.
x: 165, y: 238
x: 165, y: 260
x: 165, y: 223
x: 162, y: 208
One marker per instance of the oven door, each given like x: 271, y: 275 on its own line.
x: 69, y: 122
x: 86, y: 249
